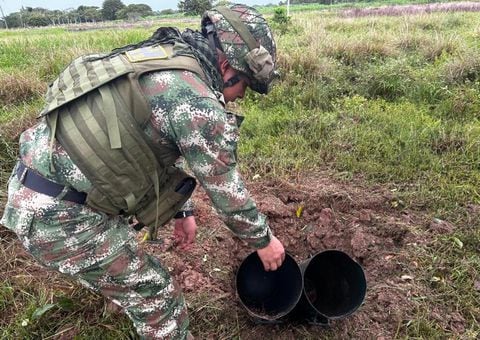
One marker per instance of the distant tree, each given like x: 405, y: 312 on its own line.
x: 143, y: 9
x: 93, y: 14
x: 110, y: 8
x: 14, y: 20
x: 37, y: 19
x: 293, y: 2
x: 134, y: 10
x: 55, y: 16
x: 38, y: 16
x: 89, y: 13
x: 40, y: 10
x: 194, y: 7
x: 167, y: 11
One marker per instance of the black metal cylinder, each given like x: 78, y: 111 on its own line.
x: 334, y: 285
x: 269, y: 295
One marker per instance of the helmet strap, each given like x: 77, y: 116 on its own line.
x: 232, y: 81
x: 211, y: 33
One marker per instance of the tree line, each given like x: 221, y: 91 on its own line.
x: 110, y: 10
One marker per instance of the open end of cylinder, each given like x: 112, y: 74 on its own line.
x: 269, y: 295
x: 334, y: 284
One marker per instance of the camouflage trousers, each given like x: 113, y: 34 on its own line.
x: 101, y: 252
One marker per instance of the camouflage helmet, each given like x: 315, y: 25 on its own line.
x: 247, y: 41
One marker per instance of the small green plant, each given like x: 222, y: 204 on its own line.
x: 281, y: 20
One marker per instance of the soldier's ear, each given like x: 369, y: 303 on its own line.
x: 224, y: 65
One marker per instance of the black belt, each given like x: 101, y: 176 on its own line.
x: 38, y: 183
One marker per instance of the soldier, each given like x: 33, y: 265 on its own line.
x: 105, y: 148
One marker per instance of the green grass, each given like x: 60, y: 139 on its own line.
x: 79, y: 312
x: 369, y: 96
x: 394, y: 100
x: 39, y: 50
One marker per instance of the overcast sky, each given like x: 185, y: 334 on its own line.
x: 10, y: 6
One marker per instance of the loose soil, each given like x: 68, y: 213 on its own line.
x: 366, y: 222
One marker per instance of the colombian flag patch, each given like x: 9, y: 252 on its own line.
x: 146, y: 53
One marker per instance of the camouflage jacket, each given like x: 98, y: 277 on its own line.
x: 186, y: 113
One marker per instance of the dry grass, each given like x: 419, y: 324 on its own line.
x: 354, y: 51
x: 410, y: 42
x: 365, y: 42
x: 302, y: 64
x: 19, y: 87
x: 464, y: 67
x: 433, y: 49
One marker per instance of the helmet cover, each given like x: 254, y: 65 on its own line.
x: 256, y: 57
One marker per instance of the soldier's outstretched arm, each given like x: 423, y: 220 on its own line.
x: 208, y: 140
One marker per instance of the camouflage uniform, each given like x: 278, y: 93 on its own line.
x: 101, y: 250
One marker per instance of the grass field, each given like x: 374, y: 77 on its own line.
x: 386, y: 100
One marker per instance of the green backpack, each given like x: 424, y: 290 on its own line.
x: 96, y: 110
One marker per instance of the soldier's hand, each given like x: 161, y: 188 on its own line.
x: 185, y: 231
x: 272, y: 255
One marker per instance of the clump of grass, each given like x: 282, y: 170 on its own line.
x: 452, y: 267
x: 463, y: 68
x: 410, y: 42
x: 390, y: 80
x: 433, y: 49
x: 278, y: 142
x: 207, y: 314
x: 377, y: 128
x: 19, y: 87
x: 17, y: 118
x: 422, y: 327
x: 348, y: 25
x: 426, y: 23
x: 449, y: 141
x: 461, y: 103
x: 303, y: 65
x: 356, y: 51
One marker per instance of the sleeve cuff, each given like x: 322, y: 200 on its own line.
x: 261, y: 242
x: 183, y: 214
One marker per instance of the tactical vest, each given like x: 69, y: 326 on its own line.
x: 96, y: 110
